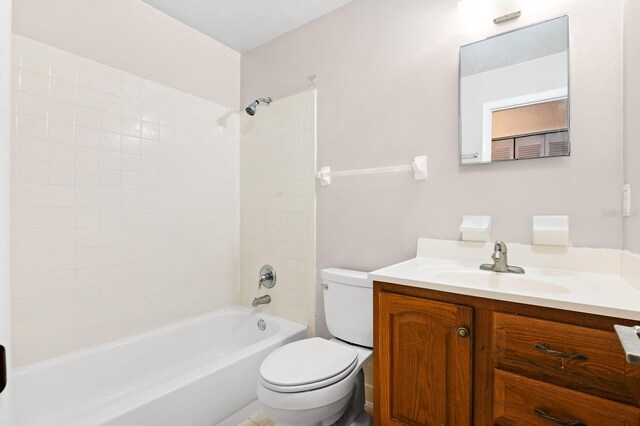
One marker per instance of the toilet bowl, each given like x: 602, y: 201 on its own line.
x: 320, y: 382
x: 322, y: 396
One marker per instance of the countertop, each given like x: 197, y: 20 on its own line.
x: 606, y: 294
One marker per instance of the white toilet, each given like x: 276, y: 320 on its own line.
x: 315, y: 381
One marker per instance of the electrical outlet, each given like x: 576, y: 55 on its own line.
x: 626, y: 200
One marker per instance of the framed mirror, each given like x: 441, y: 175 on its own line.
x: 514, y: 95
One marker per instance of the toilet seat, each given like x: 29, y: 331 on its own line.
x: 309, y: 386
x: 307, y: 365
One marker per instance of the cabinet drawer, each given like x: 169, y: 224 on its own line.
x: 522, y: 401
x: 580, y: 358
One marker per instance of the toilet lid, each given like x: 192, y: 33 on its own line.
x: 307, y: 364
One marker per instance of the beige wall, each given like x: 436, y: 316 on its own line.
x: 124, y: 201
x: 632, y: 123
x: 387, y: 79
x: 134, y: 37
x: 277, y: 205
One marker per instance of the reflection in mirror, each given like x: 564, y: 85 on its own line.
x: 514, y: 95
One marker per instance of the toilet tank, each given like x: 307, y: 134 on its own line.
x: 348, y: 305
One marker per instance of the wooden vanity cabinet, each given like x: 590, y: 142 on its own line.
x: 447, y: 359
x: 424, y: 364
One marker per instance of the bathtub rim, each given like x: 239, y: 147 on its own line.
x: 80, y: 353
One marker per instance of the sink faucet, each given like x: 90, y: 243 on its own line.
x: 262, y: 300
x: 500, y: 263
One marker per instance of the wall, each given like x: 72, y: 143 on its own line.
x: 5, y: 134
x: 125, y: 203
x: 278, y: 148
x: 134, y: 37
x: 387, y: 81
x: 631, y: 123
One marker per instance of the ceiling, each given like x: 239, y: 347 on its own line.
x: 245, y: 24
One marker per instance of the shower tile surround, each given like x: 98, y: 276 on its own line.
x: 277, y: 204
x: 125, y: 204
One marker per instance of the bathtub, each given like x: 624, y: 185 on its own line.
x: 197, y: 372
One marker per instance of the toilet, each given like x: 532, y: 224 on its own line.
x: 320, y: 382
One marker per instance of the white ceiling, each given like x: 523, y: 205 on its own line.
x: 245, y: 24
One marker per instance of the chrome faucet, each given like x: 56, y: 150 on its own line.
x: 500, y: 263
x: 267, y: 277
x: 262, y: 300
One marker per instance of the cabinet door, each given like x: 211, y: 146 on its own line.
x: 424, y: 364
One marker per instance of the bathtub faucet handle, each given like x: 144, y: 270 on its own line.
x: 267, y: 277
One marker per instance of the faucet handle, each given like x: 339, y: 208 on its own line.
x: 267, y: 277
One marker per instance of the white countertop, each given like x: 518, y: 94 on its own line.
x: 590, y: 292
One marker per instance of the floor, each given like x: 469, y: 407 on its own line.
x: 258, y: 419
x: 261, y: 419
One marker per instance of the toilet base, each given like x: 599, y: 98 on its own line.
x: 363, y: 420
x: 348, y: 411
x: 355, y: 414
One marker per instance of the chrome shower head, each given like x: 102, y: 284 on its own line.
x: 253, y: 107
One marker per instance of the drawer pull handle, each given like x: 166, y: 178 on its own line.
x: 556, y: 420
x: 542, y: 348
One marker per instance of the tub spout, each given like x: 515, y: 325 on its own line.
x: 262, y: 300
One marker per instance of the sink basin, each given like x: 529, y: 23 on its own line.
x: 504, y: 282
x: 534, y: 281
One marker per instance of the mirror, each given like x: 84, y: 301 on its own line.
x: 514, y: 95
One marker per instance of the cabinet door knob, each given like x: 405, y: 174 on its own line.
x: 463, y: 332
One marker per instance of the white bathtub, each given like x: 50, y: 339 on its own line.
x: 196, y: 372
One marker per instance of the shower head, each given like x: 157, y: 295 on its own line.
x: 252, y: 108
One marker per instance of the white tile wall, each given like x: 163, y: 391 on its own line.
x: 125, y: 203
x: 278, y: 147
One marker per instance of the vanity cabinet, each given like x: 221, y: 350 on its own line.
x: 448, y: 359
x: 424, y: 354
